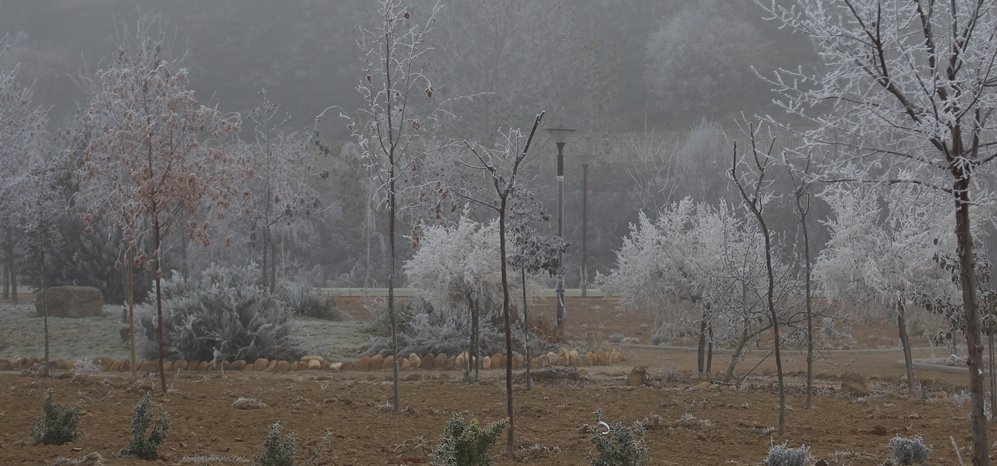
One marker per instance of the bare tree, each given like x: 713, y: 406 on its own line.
x: 157, y: 154
x: 499, y: 169
x: 754, y: 189
x: 906, y: 88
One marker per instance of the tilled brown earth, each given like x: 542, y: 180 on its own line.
x: 689, y: 422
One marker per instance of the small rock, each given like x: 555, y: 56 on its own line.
x: 388, y: 362
x: 283, y: 366
x: 248, y: 403
x: 441, y: 361
x: 486, y: 362
x: 237, y: 365
x: 637, y: 376
x: 261, y: 364
x: 362, y: 364
x: 414, y: 361
x: 180, y: 365
x: 375, y: 362
x: 313, y: 364
x: 336, y: 366
x: 428, y: 361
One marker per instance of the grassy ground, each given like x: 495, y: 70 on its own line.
x: 22, y: 334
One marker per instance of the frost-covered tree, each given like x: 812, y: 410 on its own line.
x: 392, y: 126
x: 454, y: 269
x: 157, y: 155
x: 906, y: 89
x: 283, y: 202
x: 883, y: 246
x: 22, y: 127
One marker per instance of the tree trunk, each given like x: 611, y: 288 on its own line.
x: 905, y: 342
x: 746, y: 335
x: 508, y: 324
x: 264, y: 265
x: 974, y: 359
x: 273, y: 267
x: 130, y: 295
x: 158, y: 271
x: 993, y: 377
x: 526, y: 333
x: 808, y: 296
x: 391, y: 284
x: 709, y: 349
x: 41, y: 264
x: 701, y: 348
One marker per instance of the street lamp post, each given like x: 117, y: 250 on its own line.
x: 560, y: 137
x: 585, y: 160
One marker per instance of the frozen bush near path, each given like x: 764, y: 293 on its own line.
x: 223, y: 311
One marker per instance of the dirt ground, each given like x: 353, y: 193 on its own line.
x: 690, y: 421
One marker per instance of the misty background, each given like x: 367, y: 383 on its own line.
x: 651, y: 87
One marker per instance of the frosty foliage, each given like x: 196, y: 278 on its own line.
x: 224, y: 309
x: 423, y: 329
x: 884, y: 244
x: 907, y: 451
x: 782, y: 455
x: 157, y: 156
x: 283, y: 203
x: 693, y: 254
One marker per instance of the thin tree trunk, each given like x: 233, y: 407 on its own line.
x: 130, y: 295
x: 391, y: 283
x: 273, y: 267
x: 526, y: 333
x: 701, y: 348
x: 993, y: 377
x: 808, y: 291
x: 508, y: 324
x: 905, y: 342
x: 709, y: 349
x: 475, y: 357
x: 44, y: 311
x: 266, y: 256
x: 978, y: 419
x: 739, y: 349
x: 158, y: 271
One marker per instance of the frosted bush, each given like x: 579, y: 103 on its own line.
x: 909, y: 450
x: 86, y: 367
x: 225, y: 310
x: 466, y: 443
x: 304, y: 300
x: 781, y: 455
x: 422, y: 329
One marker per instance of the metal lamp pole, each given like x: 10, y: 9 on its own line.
x: 560, y: 135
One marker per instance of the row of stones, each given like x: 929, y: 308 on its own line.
x: 440, y: 361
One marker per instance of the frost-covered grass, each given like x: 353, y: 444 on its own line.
x: 70, y: 337
x: 90, y: 337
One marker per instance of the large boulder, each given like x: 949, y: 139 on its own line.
x: 70, y: 301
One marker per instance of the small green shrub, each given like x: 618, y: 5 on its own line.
x: 466, y: 443
x: 277, y: 451
x: 148, y: 416
x: 781, y: 455
x: 908, y: 451
x: 58, y: 425
x: 618, y: 445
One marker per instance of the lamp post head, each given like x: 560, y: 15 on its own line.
x: 560, y: 135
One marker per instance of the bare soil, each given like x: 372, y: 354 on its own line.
x: 692, y: 421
